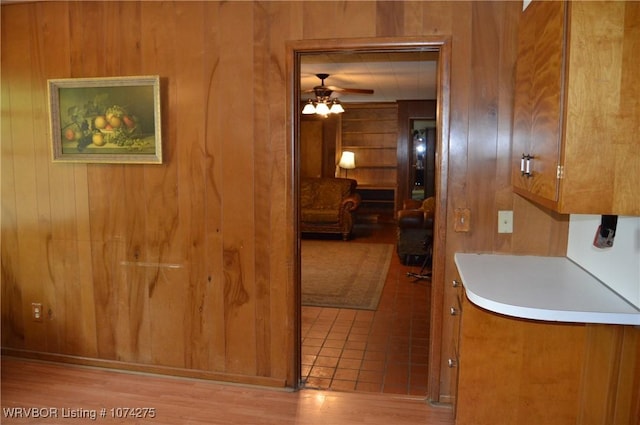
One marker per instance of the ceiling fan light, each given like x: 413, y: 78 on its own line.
x: 309, y: 108
x: 322, y: 109
x: 336, y: 107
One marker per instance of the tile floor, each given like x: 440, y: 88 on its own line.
x: 375, y: 351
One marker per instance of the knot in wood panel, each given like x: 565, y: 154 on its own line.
x: 235, y: 293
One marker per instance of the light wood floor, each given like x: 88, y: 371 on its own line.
x: 75, y: 390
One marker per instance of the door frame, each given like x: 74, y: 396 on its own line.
x: 295, y: 49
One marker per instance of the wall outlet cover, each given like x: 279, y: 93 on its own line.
x: 505, y: 221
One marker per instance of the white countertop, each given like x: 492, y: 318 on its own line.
x: 541, y: 288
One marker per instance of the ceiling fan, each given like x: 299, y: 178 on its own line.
x: 323, y: 103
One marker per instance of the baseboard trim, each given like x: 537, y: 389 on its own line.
x: 227, y: 378
x: 446, y: 399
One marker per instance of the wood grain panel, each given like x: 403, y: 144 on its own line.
x: 546, y: 98
x: 320, y: 141
x: 263, y: 166
x: 389, y: 18
x: 413, y: 19
x: 580, y: 104
x: 238, y: 227
x: 52, y: 291
x: 311, y: 148
x: 483, y: 120
x: 186, y: 267
x: 538, y: 231
x: 517, y: 372
x: 601, y: 373
x: 439, y: 257
x: 286, y: 24
x: 370, y: 126
x: 609, y: 392
x: 627, y: 176
x: 523, y: 102
x: 533, y: 372
x: 211, y: 332
x: 370, y: 131
x: 12, y: 304
x: 190, y: 172
x: 355, y: 140
x: 602, y: 109
x: 349, y: 19
x: 31, y: 245
x: 372, y: 112
x: 507, y: 24
x: 457, y: 195
x: 628, y: 404
x: 136, y: 319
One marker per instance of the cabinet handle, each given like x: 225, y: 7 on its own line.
x: 455, y: 283
x: 452, y: 363
x: 525, y: 165
x: 453, y: 311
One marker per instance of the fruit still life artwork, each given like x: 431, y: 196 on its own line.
x: 99, y: 122
x: 106, y: 123
x: 91, y: 124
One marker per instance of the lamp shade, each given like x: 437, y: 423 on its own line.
x: 309, y: 108
x: 322, y: 109
x: 322, y: 106
x: 347, y: 160
x: 336, y: 107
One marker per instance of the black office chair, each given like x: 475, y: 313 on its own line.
x: 415, y: 235
x: 425, y: 270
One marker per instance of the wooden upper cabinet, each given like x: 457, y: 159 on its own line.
x: 576, y: 125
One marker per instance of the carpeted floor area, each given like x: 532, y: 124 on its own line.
x: 343, y: 274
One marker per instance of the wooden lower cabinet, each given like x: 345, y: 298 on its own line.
x: 455, y: 313
x: 610, y: 388
x: 524, y: 372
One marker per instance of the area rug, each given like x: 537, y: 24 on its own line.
x: 344, y: 274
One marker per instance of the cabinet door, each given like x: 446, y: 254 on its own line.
x: 601, y: 155
x: 514, y: 371
x: 522, y: 109
x: 538, y: 96
x: 576, y: 107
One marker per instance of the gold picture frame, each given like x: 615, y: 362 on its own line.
x: 106, y: 120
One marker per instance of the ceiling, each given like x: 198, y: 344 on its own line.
x: 392, y: 75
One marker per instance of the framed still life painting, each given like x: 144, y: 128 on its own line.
x: 106, y: 120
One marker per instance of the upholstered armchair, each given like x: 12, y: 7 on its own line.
x: 327, y: 205
x: 415, y: 231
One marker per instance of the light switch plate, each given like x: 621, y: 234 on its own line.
x: 505, y: 221
x: 462, y: 220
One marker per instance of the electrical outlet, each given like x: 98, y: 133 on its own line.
x: 505, y: 221
x: 36, y: 312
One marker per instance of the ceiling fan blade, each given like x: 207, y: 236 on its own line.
x: 323, y: 90
x: 347, y: 90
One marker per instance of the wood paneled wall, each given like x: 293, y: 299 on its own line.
x: 186, y: 267
x: 370, y: 130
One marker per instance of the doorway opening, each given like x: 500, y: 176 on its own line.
x: 423, y: 158
x: 439, y: 46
